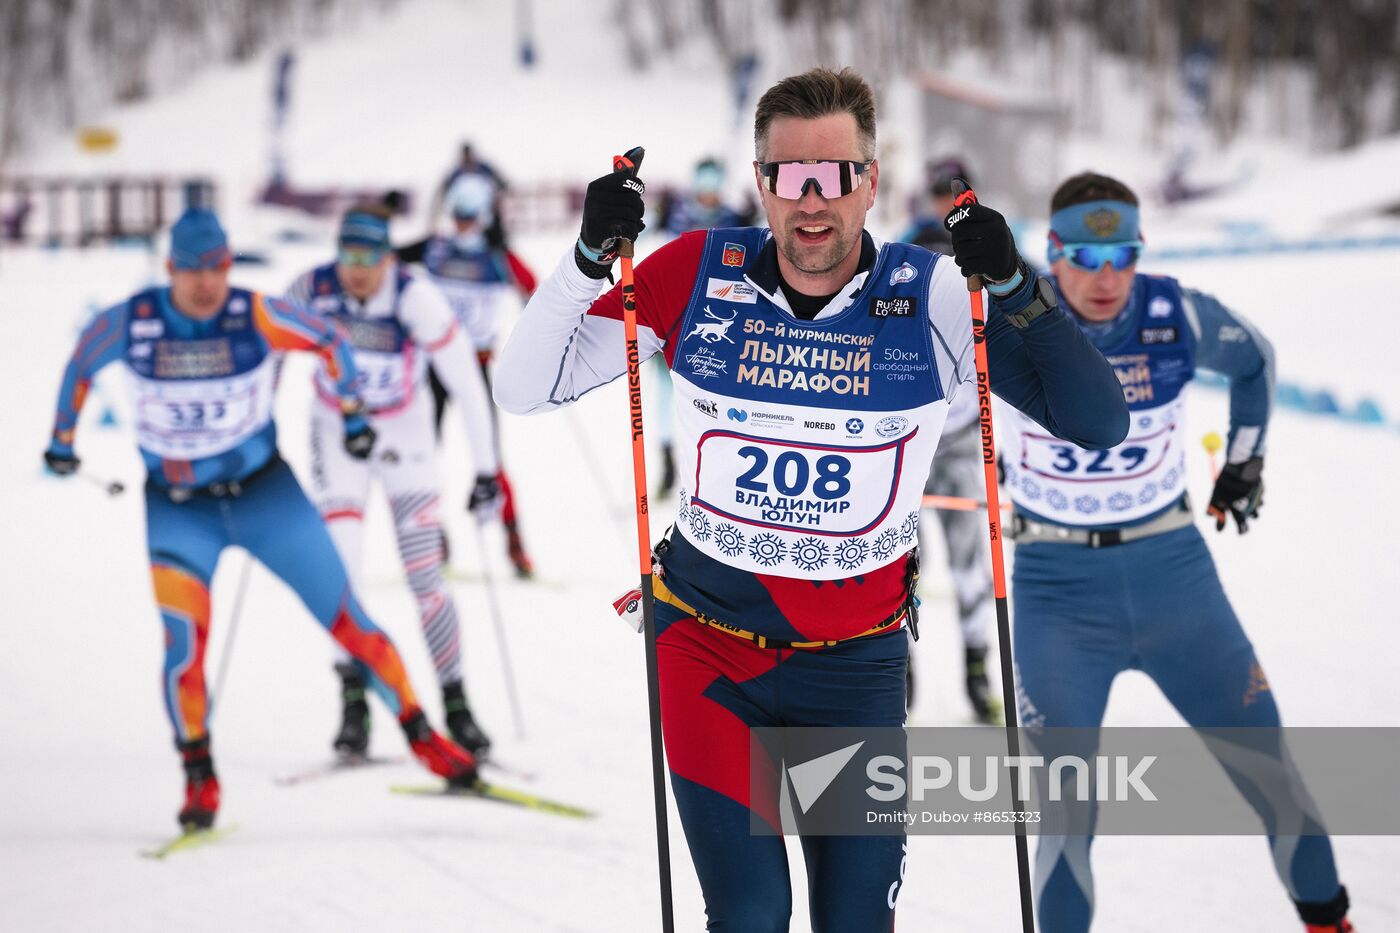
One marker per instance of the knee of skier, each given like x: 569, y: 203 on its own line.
x: 759, y: 912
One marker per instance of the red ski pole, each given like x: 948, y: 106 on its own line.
x: 628, y: 163
x: 964, y: 197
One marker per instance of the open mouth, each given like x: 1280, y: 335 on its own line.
x: 813, y: 233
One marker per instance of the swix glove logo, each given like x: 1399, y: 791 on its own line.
x: 714, y: 330
x: 958, y: 215
x: 633, y: 184
x: 810, y: 779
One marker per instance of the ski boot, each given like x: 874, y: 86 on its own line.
x: 461, y: 725
x: 352, y: 741
x: 1329, y: 917
x: 439, y: 755
x: 985, y: 707
x: 515, y: 549
x: 201, y: 785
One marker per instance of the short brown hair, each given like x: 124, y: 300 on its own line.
x: 817, y: 93
x: 1090, y: 186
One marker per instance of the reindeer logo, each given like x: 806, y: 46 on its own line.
x: 716, y: 330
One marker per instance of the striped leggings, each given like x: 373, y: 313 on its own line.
x: 404, y: 462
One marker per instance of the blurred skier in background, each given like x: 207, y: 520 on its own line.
x: 396, y: 322
x: 480, y: 277
x: 470, y: 165
x: 202, y: 357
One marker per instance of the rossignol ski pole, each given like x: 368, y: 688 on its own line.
x: 964, y: 196
x: 628, y: 163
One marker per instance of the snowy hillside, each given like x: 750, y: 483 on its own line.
x: 87, y: 774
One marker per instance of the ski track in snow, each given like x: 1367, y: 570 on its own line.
x: 88, y: 775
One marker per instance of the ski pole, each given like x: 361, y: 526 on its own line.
x: 227, y: 655
x: 110, y: 486
x: 1212, y: 443
x: 628, y: 163
x: 964, y: 196
x: 494, y: 603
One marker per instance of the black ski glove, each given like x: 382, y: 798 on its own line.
x: 61, y: 463
x: 485, y: 496
x: 982, y: 242
x: 1239, y: 491
x: 612, y: 209
x: 359, y: 436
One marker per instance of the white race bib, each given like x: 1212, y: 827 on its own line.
x: 189, y: 419
x: 1060, y: 481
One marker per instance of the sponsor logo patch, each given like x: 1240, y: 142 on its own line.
x: 894, y: 307
x: 1231, y: 333
x: 706, y: 406
x: 705, y: 363
x: 730, y: 290
x: 1153, y: 335
x: 889, y: 427
x: 715, y: 329
x: 733, y: 254
x: 905, y: 273
x: 147, y: 329
x: 819, y: 425
x: 738, y: 414
x: 1159, y: 307
x: 854, y: 425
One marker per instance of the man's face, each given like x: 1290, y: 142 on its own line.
x: 815, y: 233
x: 198, y: 293
x: 1095, y: 296
x: 363, y: 274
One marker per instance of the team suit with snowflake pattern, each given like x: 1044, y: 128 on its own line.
x: 802, y: 459
x: 1155, y: 604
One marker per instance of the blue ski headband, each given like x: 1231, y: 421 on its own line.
x: 364, y: 230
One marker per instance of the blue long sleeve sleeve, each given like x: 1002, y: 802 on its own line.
x: 1051, y: 371
x: 1228, y: 344
x: 102, y: 342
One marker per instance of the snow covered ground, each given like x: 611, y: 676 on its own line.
x: 87, y: 774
